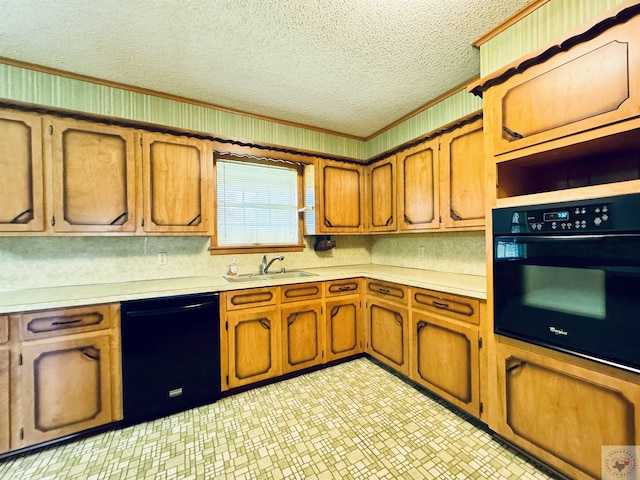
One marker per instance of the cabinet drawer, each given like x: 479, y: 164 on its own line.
x: 254, y: 297
x: 453, y: 306
x: 342, y: 287
x: 388, y: 291
x: 4, y: 329
x: 52, y: 323
x: 300, y: 291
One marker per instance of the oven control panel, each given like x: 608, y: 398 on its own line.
x: 583, y: 218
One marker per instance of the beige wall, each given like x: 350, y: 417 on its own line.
x: 36, y: 262
x: 457, y: 252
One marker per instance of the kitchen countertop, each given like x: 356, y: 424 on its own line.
x: 77, y: 295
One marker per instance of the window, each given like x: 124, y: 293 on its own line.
x: 257, y: 205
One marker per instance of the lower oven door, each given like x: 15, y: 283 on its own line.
x: 578, y: 294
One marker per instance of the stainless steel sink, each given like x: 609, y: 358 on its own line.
x: 257, y: 277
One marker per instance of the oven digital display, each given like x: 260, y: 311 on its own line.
x: 553, y: 216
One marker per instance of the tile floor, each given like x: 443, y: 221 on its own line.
x: 351, y: 421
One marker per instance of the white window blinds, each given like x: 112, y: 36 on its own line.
x: 257, y: 204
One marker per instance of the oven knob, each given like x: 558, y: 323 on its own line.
x: 597, y: 221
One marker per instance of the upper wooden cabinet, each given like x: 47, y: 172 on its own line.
x: 21, y: 172
x: 340, y: 197
x: 593, y: 84
x: 462, y: 178
x: 93, y: 176
x: 176, y: 178
x: 418, y: 187
x: 381, y: 195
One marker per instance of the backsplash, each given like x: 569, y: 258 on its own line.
x: 33, y: 262
x: 456, y: 252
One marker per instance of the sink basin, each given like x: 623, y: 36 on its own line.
x: 257, y: 277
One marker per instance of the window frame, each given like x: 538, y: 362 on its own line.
x: 257, y: 248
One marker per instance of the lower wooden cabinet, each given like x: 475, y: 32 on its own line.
x: 563, y: 412
x: 344, y: 315
x: 64, y: 387
x: 4, y: 399
x: 302, y: 336
x: 388, y: 324
x: 445, y: 359
x: 60, y: 373
x: 388, y: 329
x: 253, y: 340
x: 445, y: 346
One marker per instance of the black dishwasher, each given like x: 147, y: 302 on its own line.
x: 170, y: 355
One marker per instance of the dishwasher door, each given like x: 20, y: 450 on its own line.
x: 170, y: 355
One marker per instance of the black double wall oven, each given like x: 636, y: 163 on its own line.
x: 567, y: 276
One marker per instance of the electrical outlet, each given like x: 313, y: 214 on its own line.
x: 420, y: 252
x: 162, y: 258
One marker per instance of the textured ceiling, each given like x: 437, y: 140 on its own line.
x: 350, y: 66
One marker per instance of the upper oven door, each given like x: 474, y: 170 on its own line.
x: 579, y: 294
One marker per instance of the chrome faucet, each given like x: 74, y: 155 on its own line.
x: 264, y: 267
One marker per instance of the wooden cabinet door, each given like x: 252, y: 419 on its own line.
x: 93, y: 176
x: 5, y: 390
x: 381, y: 193
x: 65, y: 387
x: 418, y: 203
x: 590, y: 85
x: 21, y: 173
x: 564, y: 413
x: 446, y: 359
x: 176, y: 173
x: 388, y: 329
x: 340, y: 197
x: 344, y: 327
x: 254, y: 341
x: 302, y: 336
x: 462, y: 187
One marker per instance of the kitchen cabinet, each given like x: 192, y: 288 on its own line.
x: 176, y: 182
x: 462, y: 178
x: 388, y: 324
x: 590, y: 85
x: 587, y: 407
x: 250, y: 336
x: 441, y: 181
x: 302, y: 326
x: 21, y: 172
x: 344, y: 318
x: 418, y: 187
x: 93, y: 179
x: 340, y: 197
x: 381, y: 196
x: 562, y: 123
x: 5, y: 388
x: 445, y: 347
x: 65, y: 372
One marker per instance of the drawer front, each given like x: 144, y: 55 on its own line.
x: 300, y: 291
x: 251, y: 298
x: 4, y: 329
x: 388, y: 291
x: 52, y: 323
x: 342, y: 287
x: 453, y: 306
